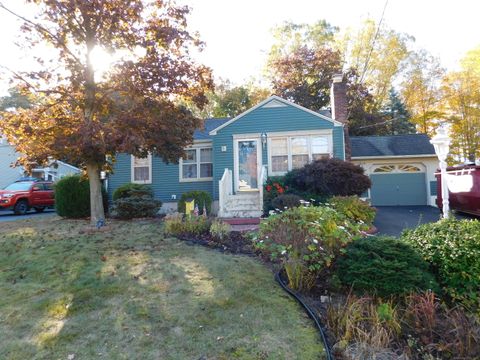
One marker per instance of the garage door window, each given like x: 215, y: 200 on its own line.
x: 409, y: 168
x: 384, y: 169
x: 403, y: 168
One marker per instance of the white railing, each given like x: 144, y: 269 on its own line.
x: 225, y: 188
x: 263, y: 180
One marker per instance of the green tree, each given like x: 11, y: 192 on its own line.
x: 421, y: 91
x: 397, y: 116
x: 85, y: 117
x: 461, y: 105
x: 15, y: 99
x: 378, y: 54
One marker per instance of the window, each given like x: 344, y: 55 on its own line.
x: 299, y: 148
x: 409, y: 168
x: 293, y: 152
x: 197, y: 164
x: 320, y: 148
x: 384, y: 169
x: 142, y: 170
x: 402, y: 168
x: 279, y: 150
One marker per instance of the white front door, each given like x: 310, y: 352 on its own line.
x: 248, y: 160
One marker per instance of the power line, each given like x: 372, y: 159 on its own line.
x: 373, y: 42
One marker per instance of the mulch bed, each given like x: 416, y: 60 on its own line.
x: 235, y: 243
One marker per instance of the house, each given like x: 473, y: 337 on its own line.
x: 231, y: 158
x: 8, y: 174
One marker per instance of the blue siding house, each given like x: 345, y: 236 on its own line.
x: 231, y: 158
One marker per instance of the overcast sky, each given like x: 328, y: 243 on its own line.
x: 238, y: 34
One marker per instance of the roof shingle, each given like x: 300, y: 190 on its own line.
x: 393, y: 145
x: 209, y: 125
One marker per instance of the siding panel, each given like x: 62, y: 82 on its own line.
x: 276, y: 119
x: 165, y: 179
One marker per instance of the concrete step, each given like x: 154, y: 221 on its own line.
x: 242, y: 221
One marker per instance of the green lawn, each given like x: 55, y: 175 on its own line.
x: 130, y: 293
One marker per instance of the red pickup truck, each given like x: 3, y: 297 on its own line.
x: 21, y: 196
x: 463, y: 188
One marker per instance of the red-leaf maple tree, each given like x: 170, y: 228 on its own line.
x: 84, y: 118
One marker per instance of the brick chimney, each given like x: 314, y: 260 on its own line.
x: 338, y: 100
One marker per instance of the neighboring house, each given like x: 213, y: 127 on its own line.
x: 230, y: 158
x: 8, y: 156
x: 8, y: 174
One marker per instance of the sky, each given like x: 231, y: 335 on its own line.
x: 238, y: 33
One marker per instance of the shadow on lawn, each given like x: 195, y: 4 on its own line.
x: 118, y: 295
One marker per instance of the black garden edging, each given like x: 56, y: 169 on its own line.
x: 309, y: 311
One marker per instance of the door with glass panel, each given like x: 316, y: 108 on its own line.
x: 248, y: 157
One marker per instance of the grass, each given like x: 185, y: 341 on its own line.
x: 131, y: 293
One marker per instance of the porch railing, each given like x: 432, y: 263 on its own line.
x: 225, y: 188
x: 263, y: 180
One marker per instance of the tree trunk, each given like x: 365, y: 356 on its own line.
x: 97, y: 212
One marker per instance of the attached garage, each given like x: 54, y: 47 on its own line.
x: 398, y: 185
x: 401, y: 168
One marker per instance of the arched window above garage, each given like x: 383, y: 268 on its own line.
x: 409, y: 168
x: 384, y: 169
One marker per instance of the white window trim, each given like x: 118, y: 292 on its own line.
x: 132, y: 172
x: 289, y: 136
x: 197, y: 148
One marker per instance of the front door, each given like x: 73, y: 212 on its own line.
x: 248, y: 159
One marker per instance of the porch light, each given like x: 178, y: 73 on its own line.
x: 264, y: 138
x: 441, y: 143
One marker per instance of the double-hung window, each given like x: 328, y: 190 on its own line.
x: 142, y: 170
x: 293, y: 152
x: 197, y: 164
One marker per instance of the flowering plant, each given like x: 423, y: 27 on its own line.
x: 306, y: 240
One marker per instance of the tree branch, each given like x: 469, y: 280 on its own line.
x: 43, y: 30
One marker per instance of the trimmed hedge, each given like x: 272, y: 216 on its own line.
x: 202, y: 198
x: 136, y: 207
x: 72, y: 197
x: 384, y: 266
x: 131, y: 190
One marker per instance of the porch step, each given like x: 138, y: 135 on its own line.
x: 242, y: 205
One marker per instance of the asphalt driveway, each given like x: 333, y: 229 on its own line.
x: 392, y: 220
x: 10, y: 216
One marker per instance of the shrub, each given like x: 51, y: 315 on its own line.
x: 187, y: 225
x: 136, y: 207
x: 201, y: 198
x: 286, y: 201
x: 329, y: 177
x: 132, y: 190
x: 220, y: 230
x: 452, y: 247
x: 306, y: 240
x: 383, y: 266
x: 354, y: 208
x: 274, y: 187
x: 72, y: 197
